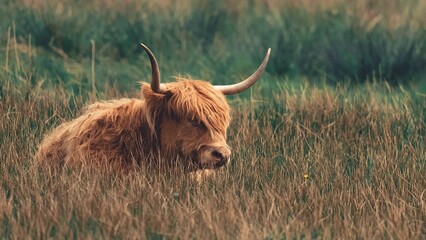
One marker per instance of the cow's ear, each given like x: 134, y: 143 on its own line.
x: 160, y: 101
x: 156, y: 104
x: 154, y: 101
x: 167, y: 102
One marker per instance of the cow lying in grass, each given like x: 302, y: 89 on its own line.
x: 186, y: 119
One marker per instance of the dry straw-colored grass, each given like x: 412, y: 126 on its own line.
x: 309, y: 162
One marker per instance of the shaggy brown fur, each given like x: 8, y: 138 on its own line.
x: 188, y: 119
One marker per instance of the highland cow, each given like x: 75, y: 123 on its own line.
x: 186, y: 119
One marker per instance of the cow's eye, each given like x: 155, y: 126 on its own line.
x: 195, y: 122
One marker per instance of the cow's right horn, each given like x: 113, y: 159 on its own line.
x: 155, y: 80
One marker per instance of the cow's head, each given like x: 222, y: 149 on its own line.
x: 190, y: 117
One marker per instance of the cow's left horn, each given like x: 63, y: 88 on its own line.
x: 243, y: 85
x: 155, y: 81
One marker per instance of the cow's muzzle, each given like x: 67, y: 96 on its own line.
x: 214, y: 157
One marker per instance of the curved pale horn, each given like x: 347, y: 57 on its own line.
x: 245, y: 84
x: 155, y: 80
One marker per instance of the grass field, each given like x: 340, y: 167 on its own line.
x: 330, y: 144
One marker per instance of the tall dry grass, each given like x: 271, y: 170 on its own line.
x: 310, y: 162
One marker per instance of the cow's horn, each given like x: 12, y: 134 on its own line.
x: 155, y: 81
x: 243, y: 85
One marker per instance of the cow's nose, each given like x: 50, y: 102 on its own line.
x: 222, y: 154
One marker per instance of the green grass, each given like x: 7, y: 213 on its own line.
x: 217, y: 40
x: 322, y: 146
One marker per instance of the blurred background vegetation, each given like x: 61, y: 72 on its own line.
x: 45, y: 43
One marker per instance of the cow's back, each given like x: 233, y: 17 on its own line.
x: 110, y: 132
